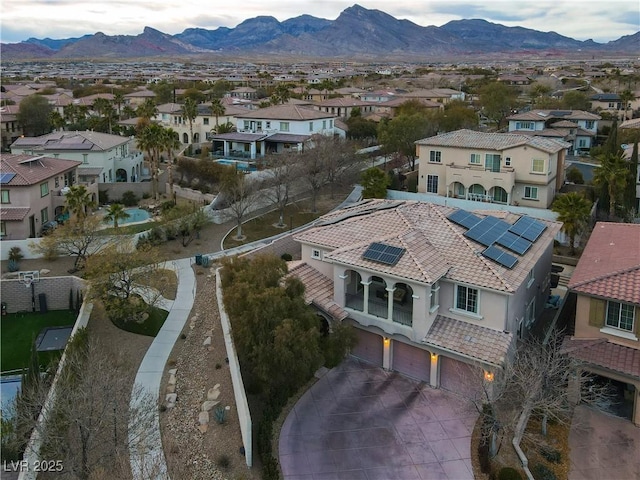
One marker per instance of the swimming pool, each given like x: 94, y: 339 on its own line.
x: 136, y: 215
x: 240, y: 165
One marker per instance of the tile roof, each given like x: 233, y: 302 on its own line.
x: 474, y: 341
x: 30, y: 173
x: 435, y: 247
x: 287, y: 138
x: 285, y: 112
x: 544, y: 115
x: 318, y: 289
x: 343, y: 102
x: 600, y: 352
x: 13, y: 213
x: 610, y: 263
x: 492, y: 141
x: 77, y: 141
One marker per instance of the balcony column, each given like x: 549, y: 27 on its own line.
x: 434, y: 377
x: 390, y: 291
x: 386, y: 353
x: 253, y: 150
x: 365, y: 306
x: 226, y: 148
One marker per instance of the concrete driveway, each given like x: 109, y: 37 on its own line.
x: 359, y: 422
x: 603, y: 447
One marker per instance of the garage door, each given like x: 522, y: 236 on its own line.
x: 411, y: 361
x: 460, y: 377
x: 369, y: 347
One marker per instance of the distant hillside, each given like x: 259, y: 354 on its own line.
x: 357, y: 33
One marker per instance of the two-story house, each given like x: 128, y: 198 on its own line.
x: 273, y: 130
x: 576, y: 127
x: 504, y: 168
x: 105, y: 158
x: 32, y: 192
x: 607, y: 321
x: 9, y: 126
x: 434, y: 292
x: 343, y: 107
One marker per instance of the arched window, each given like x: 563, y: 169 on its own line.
x: 354, y: 291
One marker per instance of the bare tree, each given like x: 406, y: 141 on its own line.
x: 78, y: 238
x: 86, y: 423
x: 242, y: 193
x: 281, y: 174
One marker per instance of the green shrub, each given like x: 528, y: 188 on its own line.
x: 551, y: 454
x: 542, y: 472
x: 129, y: 199
x: 509, y: 473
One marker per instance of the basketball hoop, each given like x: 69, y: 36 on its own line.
x: 29, y: 278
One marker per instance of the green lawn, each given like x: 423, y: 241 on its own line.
x: 19, y: 330
x: 150, y: 327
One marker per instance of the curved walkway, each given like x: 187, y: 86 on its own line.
x: 149, y: 461
x: 359, y: 422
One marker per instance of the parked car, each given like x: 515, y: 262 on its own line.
x: 49, y: 227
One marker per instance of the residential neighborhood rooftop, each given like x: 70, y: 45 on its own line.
x: 492, y: 141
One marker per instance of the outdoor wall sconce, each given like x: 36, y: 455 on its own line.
x: 488, y: 376
x: 434, y: 356
x: 387, y: 341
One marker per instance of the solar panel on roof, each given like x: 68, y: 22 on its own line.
x: 514, y: 242
x: 6, y: 177
x: 488, y: 230
x: 464, y: 218
x: 503, y: 258
x: 383, y: 253
x: 528, y: 228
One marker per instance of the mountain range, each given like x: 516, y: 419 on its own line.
x: 357, y: 34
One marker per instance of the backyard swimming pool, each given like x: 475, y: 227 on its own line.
x: 136, y: 215
x: 240, y: 165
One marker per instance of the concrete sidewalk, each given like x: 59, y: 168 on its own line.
x: 150, y: 458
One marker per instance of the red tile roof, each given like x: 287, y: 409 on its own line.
x: 39, y: 169
x: 610, y: 264
x: 474, y: 341
x: 11, y: 214
x: 600, y: 352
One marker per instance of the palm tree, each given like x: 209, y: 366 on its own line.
x: 612, y: 174
x: 626, y: 97
x: 104, y: 109
x: 118, y: 101
x: 115, y: 213
x: 78, y: 200
x: 57, y: 121
x: 217, y: 108
x: 149, y: 139
x: 573, y: 211
x: 190, y: 112
x: 227, y: 127
x: 147, y: 109
x: 170, y: 142
x: 281, y: 94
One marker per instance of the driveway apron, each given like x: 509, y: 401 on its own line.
x: 361, y: 422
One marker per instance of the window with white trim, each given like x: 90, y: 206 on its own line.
x: 311, y: 126
x: 205, y: 120
x: 537, y: 165
x: 5, y: 196
x: 620, y: 315
x: 530, y: 278
x: 435, y: 156
x: 284, y: 126
x: 316, y: 253
x: 530, y: 314
x: 525, y: 125
x: 466, y: 299
x: 476, y: 159
x: 507, y: 161
x: 44, y: 189
x: 434, y: 301
x: 531, y: 193
x: 589, y: 124
x: 3, y: 228
x: 432, y: 183
x: 44, y: 215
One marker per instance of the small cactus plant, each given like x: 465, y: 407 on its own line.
x: 13, y: 266
x: 220, y: 413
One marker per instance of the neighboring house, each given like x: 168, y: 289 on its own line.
x: 9, y: 126
x: 390, y: 107
x: 343, y: 107
x: 608, y: 102
x: 607, y: 321
x: 514, y: 79
x: 273, y: 130
x: 137, y: 98
x: 428, y: 296
x: 502, y: 168
x: 576, y: 127
x: 244, y: 92
x: 31, y: 188
x: 377, y: 96
x: 105, y: 158
x: 438, y: 95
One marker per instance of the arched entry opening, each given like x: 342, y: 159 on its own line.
x: 378, y: 303
x: 498, y: 195
x: 477, y: 193
x: 121, y: 175
x: 403, y: 304
x: 458, y: 190
x: 185, y: 138
x: 196, y: 138
x: 354, y: 291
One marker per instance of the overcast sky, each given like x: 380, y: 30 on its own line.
x: 600, y: 20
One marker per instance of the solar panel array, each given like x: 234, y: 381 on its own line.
x: 491, y: 231
x: 528, y: 228
x: 6, y: 177
x: 383, y: 253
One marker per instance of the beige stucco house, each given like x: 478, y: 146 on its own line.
x: 429, y: 296
x: 607, y: 322
x: 504, y: 168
